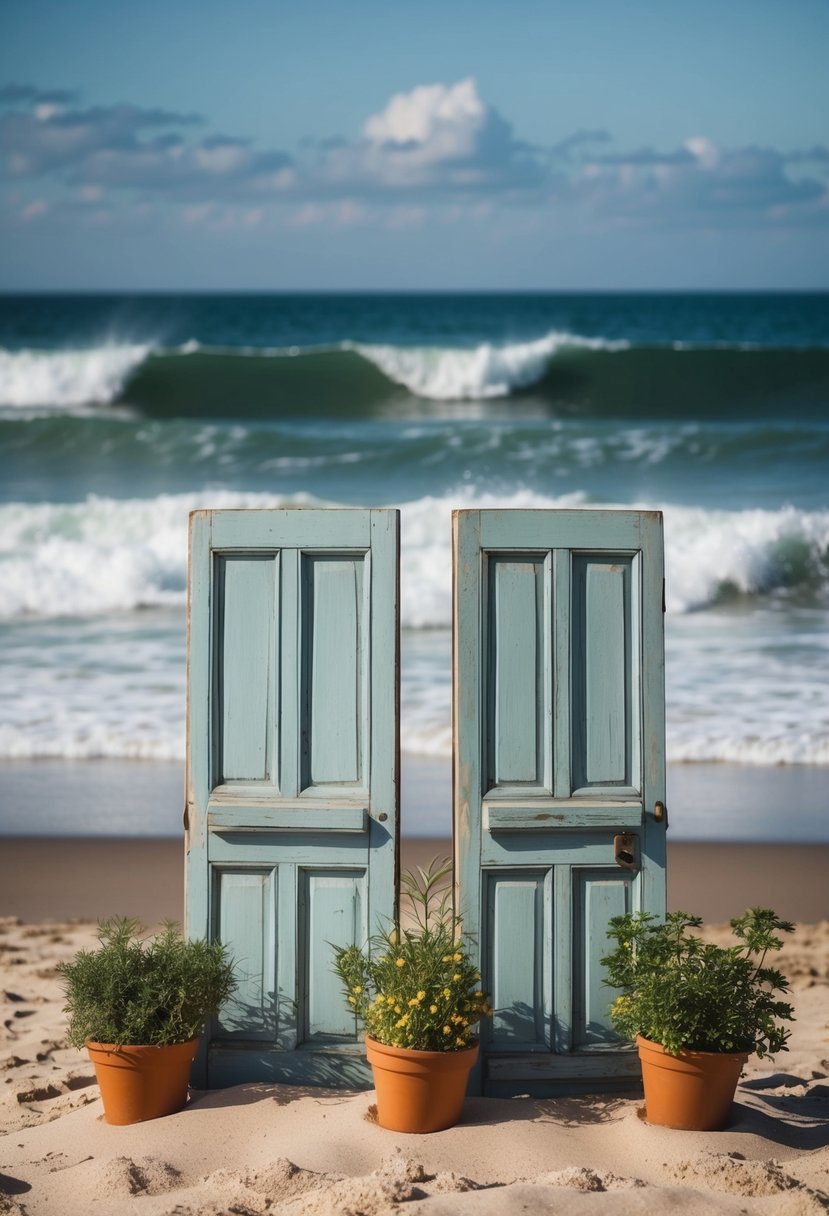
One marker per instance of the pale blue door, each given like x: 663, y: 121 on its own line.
x: 292, y: 775
x: 559, y: 767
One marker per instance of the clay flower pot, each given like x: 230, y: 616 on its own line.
x: 139, y: 1083
x: 419, y: 1091
x: 693, y: 1091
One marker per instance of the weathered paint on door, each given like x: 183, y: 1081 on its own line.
x: 292, y: 775
x: 559, y: 749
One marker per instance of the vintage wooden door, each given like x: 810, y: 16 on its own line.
x: 292, y: 775
x: 558, y: 774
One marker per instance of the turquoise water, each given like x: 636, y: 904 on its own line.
x: 120, y: 414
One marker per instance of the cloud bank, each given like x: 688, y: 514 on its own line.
x: 436, y: 146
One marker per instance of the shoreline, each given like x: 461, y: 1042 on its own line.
x: 707, y: 802
x: 738, y: 837
x: 89, y: 878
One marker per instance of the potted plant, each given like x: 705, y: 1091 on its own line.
x: 138, y: 1006
x: 417, y: 993
x: 696, y: 1010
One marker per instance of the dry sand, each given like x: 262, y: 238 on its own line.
x: 278, y: 1149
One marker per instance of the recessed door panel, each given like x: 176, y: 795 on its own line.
x: 518, y: 693
x: 334, y: 675
x: 245, y: 720
x: 245, y: 919
x: 598, y: 896
x: 605, y: 675
x: 519, y: 959
x: 333, y: 915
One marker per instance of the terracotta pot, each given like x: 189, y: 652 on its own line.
x: 693, y: 1091
x: 139, y: 1083
x: 419, y: 1091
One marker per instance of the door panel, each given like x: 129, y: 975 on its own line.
x: 598, y: 895
x: 333, y: 915
x: 246, y: 665
x: 518, y: 658
x: 604, y: 711
x: 292, y: 775
x: 558, y: 713
x: 245, y: 917
x: 518, y: 937
x: 334, y: 615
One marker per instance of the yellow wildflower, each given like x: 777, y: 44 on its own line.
x: 447, y: 1030
x: 461, y: 1042
x: 400, y: 962
x: 358, y: 988
x: 352, y: 1000
x: 456, y: 977
x: 456, y: 958
x: 447, y: 993
x: 433, y: 1008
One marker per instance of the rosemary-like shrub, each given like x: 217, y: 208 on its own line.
x: 690, y: 995
x: 417, y: 988
x: 149, y: 992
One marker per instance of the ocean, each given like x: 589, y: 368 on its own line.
x: 119, y: 414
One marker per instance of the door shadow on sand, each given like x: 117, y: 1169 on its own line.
x: 565, y: 1112
x: 266, y: 1091
x: 797, y: 1120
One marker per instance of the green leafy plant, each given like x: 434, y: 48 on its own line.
x: 417, y: 987
x: 690, y: 995
x: 143, y: 992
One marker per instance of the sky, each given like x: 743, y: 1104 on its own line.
x: 533, y: 145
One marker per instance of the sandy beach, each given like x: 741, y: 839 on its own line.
x: 263, y: 1148
x: 268, y: 1148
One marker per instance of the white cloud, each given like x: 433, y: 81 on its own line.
x: 435, y: 137
x: 444, y: 118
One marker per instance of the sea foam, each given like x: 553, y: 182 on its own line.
x: 111, y: 684
x: 107, y: 554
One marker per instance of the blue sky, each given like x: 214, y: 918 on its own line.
x: 379, y: 145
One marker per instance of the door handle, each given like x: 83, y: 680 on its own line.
x: 624, y: 851
x: 660, y: 813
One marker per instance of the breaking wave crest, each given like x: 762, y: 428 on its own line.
x: 566, y: 374
x: 488, y: 370
x: 67, y: 379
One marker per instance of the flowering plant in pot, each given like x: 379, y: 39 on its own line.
x: 417, y: 992
x: 138, y: 1006
x: 696, y: 1010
